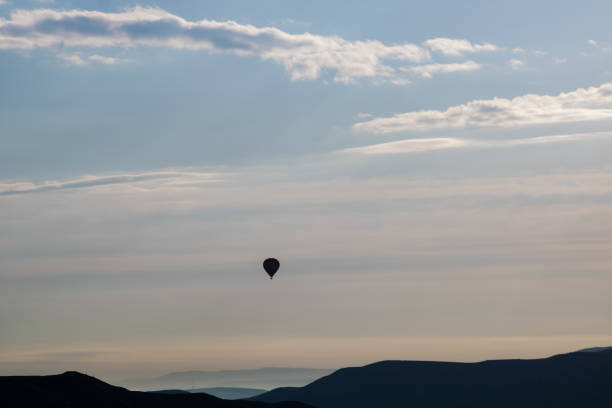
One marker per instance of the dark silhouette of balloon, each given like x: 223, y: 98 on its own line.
x: 271, y: 265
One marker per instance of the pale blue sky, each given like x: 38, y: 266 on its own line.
x: 430, y: 176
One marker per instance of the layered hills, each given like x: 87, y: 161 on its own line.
x: 578, y: 379
x: 73, y: 389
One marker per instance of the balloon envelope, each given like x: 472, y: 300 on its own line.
x: 271, y: 265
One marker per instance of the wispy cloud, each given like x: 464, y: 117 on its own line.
x: 305, y: 56
x: 73, y: 59
x: 430, y: 144
x: 600, y: 45
x: 409, y: 146
x: 594, y: 103
x: 516, y: 63
x: 457, y: 47
x: 428, y: 70
x: 174, y: 178
x: 102, y: 59
x: 79, y: 61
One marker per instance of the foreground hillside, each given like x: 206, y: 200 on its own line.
x: 581, y: 379
x: 73, y: 389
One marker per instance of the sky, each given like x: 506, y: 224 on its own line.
x: 434, y: 177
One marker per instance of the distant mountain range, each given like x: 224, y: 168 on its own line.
x: 230, y: 393
x: 261, y: 378
x: 76, y: 390
x: 579, y: 379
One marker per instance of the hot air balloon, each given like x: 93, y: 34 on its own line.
x: 271, y: 265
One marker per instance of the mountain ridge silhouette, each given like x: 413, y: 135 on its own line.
x: 74, y: 389
x: 566, y: 380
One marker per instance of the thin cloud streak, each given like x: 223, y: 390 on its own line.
x: 409, y: 146
x: 162, y: 177
x: 430, y: 144
x: 583, y: 104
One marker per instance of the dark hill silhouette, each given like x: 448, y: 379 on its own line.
x: 580, y: 379
x: 73, y: 389
x: 171, y: 392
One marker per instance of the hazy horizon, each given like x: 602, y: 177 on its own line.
x: 435, y: 180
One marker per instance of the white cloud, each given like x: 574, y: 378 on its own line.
x: 3, y: 2
x: 73, y: 59
x: 77, y: 60
x: 142, y: 180
x: 515, y: 63
x: 363, y: 115
x: 102, y: 59
x: 305, y: 56
x: 594, y: 103
x: 599, y: 45
x: 560, y: 60
x: 519, y: 50
x: 457, y: 47
x: 429, y: 144
x: 400, y: 81
x: 428, y: 70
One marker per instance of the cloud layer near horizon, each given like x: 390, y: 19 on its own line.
x: 583, y: 104
x: 171, y: 179
x: 164, y: 177
x: 305, y: 56
x: 173, y: 264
